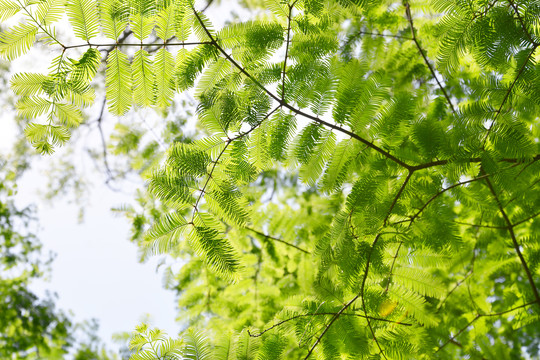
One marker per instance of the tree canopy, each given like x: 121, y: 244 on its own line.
x: 364, y: 178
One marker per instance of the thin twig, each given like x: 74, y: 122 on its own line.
x: 526, y: 219
x: 277, y: 239
x: 384, y: 35
x: 478, y: 316
x: 525, y: 30
x: 514, y: 241
x: 484, y: 176
x: 445, y: 190
x: 422, y: 52
x: 398, y: 195
x: 227, y: 143
x: 498, y: 112
x: 326, y: 314
x: 292, y: 108
x: 119, y: 44
x: 482, y: 226
x: 110, y: 175
x: 471, y: 160
x: 286, y: 51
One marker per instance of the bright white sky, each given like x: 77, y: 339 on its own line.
x: 96, y: 273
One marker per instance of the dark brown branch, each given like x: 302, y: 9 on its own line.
x: 292, y: 108
x: 526, y: 219
x: 478, y: 316
x: 286, y: 52
x: 514, y: 241
x: 120, y: 43
x: 422, y: 52
x: 398, y: 195
x: 324, y: 314
x: 520, y: 19
x: 277, y: 239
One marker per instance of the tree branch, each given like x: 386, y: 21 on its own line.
x: 277, y: 239
x: 324, y: 314
x: 514, y: 242
x: 525, y: 30
x: 422, y: 52
x: 385, y: 153
x: 498, y: 112
x: 478, y: 316
x: 99, y: 120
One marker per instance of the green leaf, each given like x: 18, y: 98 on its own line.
x: 86, y: 67
x: 33, y: 106
x: 143, y: 79
x: 166, y: 232
x: 183, y: 18
x: 28, y: 84
x: 114, y: 17
x: 165, y: 22
x: 164, y: 68
x: 83, y: 16
x: 216, y: 250
x: 68, y: 115
x: 17, y: 40
x: 118, y: 82
x: 196, y: 346
x: 8, y: 9
x: 142, y: 18
x: 337, y: 170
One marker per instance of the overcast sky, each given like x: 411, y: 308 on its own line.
x: 96, y: 273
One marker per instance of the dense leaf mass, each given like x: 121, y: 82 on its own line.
x: 365, y: 181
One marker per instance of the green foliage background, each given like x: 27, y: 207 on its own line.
x: 364, y: 183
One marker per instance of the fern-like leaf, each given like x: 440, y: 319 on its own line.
x: 17, y: 40
x: 118, y: 82
x: 83, y: 16
x: 197, y: 346
x: 216, y: 250
x: 114, y: 17
x: 8, y: 9
x: 164, y: 67
x: 143, y: 79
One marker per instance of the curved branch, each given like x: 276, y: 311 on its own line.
x: 277, y: 239
x: 422, y: 52
x: 508, y: 93
x: 520, y: 19
x: 514, y: 242
x: 478, y: 316
x: 454, y: 186
x: 325, y: 313
x: 381, y: 151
